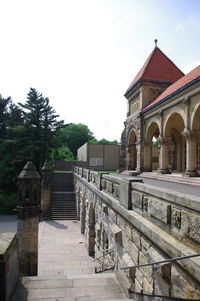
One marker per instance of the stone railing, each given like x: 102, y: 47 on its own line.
x: 9, y: 269
x: 143, y: 224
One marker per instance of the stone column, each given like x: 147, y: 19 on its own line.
x: 46, y: 190
x: 82, y: 211
x: 90, y: 229
x: 164, y: 143
x: 147, y: 157
x: 191, y: 153
x: 131, y: 157
x: 28, y: 219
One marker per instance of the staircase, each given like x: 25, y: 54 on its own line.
x: 63, y: 202
x: 65, y: 271
x: 85, y: 287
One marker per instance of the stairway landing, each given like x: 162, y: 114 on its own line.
x: 62, y: 250
x: 65, y: 271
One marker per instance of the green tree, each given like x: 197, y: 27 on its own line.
x: 62, y: 153
x: 4, y: 115
x: 103, y: 141
x: 74, y: 136
x: 41, y: 124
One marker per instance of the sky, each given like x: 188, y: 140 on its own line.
x: 83, y: 54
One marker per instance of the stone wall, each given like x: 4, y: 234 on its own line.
x: 9, y: 269
x: 136, y: 224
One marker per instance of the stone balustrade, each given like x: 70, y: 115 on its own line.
x: 9, y: 267
x: 143, y: 224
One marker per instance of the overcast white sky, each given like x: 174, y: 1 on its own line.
x: 83, y: 54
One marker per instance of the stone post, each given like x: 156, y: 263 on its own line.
x: 82, y: 211
x: 147, y: 157
x: 131, y: 157
x: 164, y: 143
x: 191, y: 153
x: 28, y: 219
x: 46, y: 190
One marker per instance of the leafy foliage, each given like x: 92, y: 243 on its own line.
x: 40, y: 121
x: 74, y: 136
x: 27, y: 132
x: 62, y: 153
x: 103, y: 141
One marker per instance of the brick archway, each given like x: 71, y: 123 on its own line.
x: 173, y: 130
x: 151, y: 148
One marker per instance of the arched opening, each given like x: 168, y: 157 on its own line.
x: 176, y: 145
x: 132, y: 151
x: 151, y: 151
x: 196, y: 130
x: 196, y: 120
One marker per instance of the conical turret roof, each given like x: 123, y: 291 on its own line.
x: 158, y: 67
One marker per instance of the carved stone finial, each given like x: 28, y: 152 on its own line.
x: 29, y: 172
x: 46, y: 167
x: 156, y: 41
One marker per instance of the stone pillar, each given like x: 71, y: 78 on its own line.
x: 90, y: 229
x: 164, y: 143
x: 28, y: 219
x: 77, y: 195
x: 147, y: 157
x: 131, y: 157
x: 46, y: 190
x: 82, y: 211
x: 191, y: 153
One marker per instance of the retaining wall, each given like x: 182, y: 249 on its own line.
x: 141, y: 224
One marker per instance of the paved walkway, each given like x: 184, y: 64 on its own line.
x: 178, y: 187
x: 65, y: 271
x: 8, y: 223
x: 62, y: 250
x: 172, y: 184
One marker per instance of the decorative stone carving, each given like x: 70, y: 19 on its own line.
x: 159, y: 210
x: 191, y: 226
x: 103, y: 184
x: 116, y: 191
x: 176, y: 218
x: 145, y: 203
x: 137, y: 199
x: 109, y: 187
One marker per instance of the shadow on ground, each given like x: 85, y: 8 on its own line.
x: 57, y: 225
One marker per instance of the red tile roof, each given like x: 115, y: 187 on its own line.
x: 157, y: 67
x: 181, y: 83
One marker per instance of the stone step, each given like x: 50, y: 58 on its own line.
x: 64, y: 203
x: 85, y: 287
x: 67, y: 197
x: 62, y: 182
x: 68, y: 208
x: 62, y: 187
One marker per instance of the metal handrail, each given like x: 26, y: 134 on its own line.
x: 162, y: 261
x: 110, y: 250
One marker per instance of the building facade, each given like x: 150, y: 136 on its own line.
x: 99, y: 156
x: 162, y: 128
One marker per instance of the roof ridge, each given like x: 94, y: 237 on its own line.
x: 171, y: 61
x: 157, y: 67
